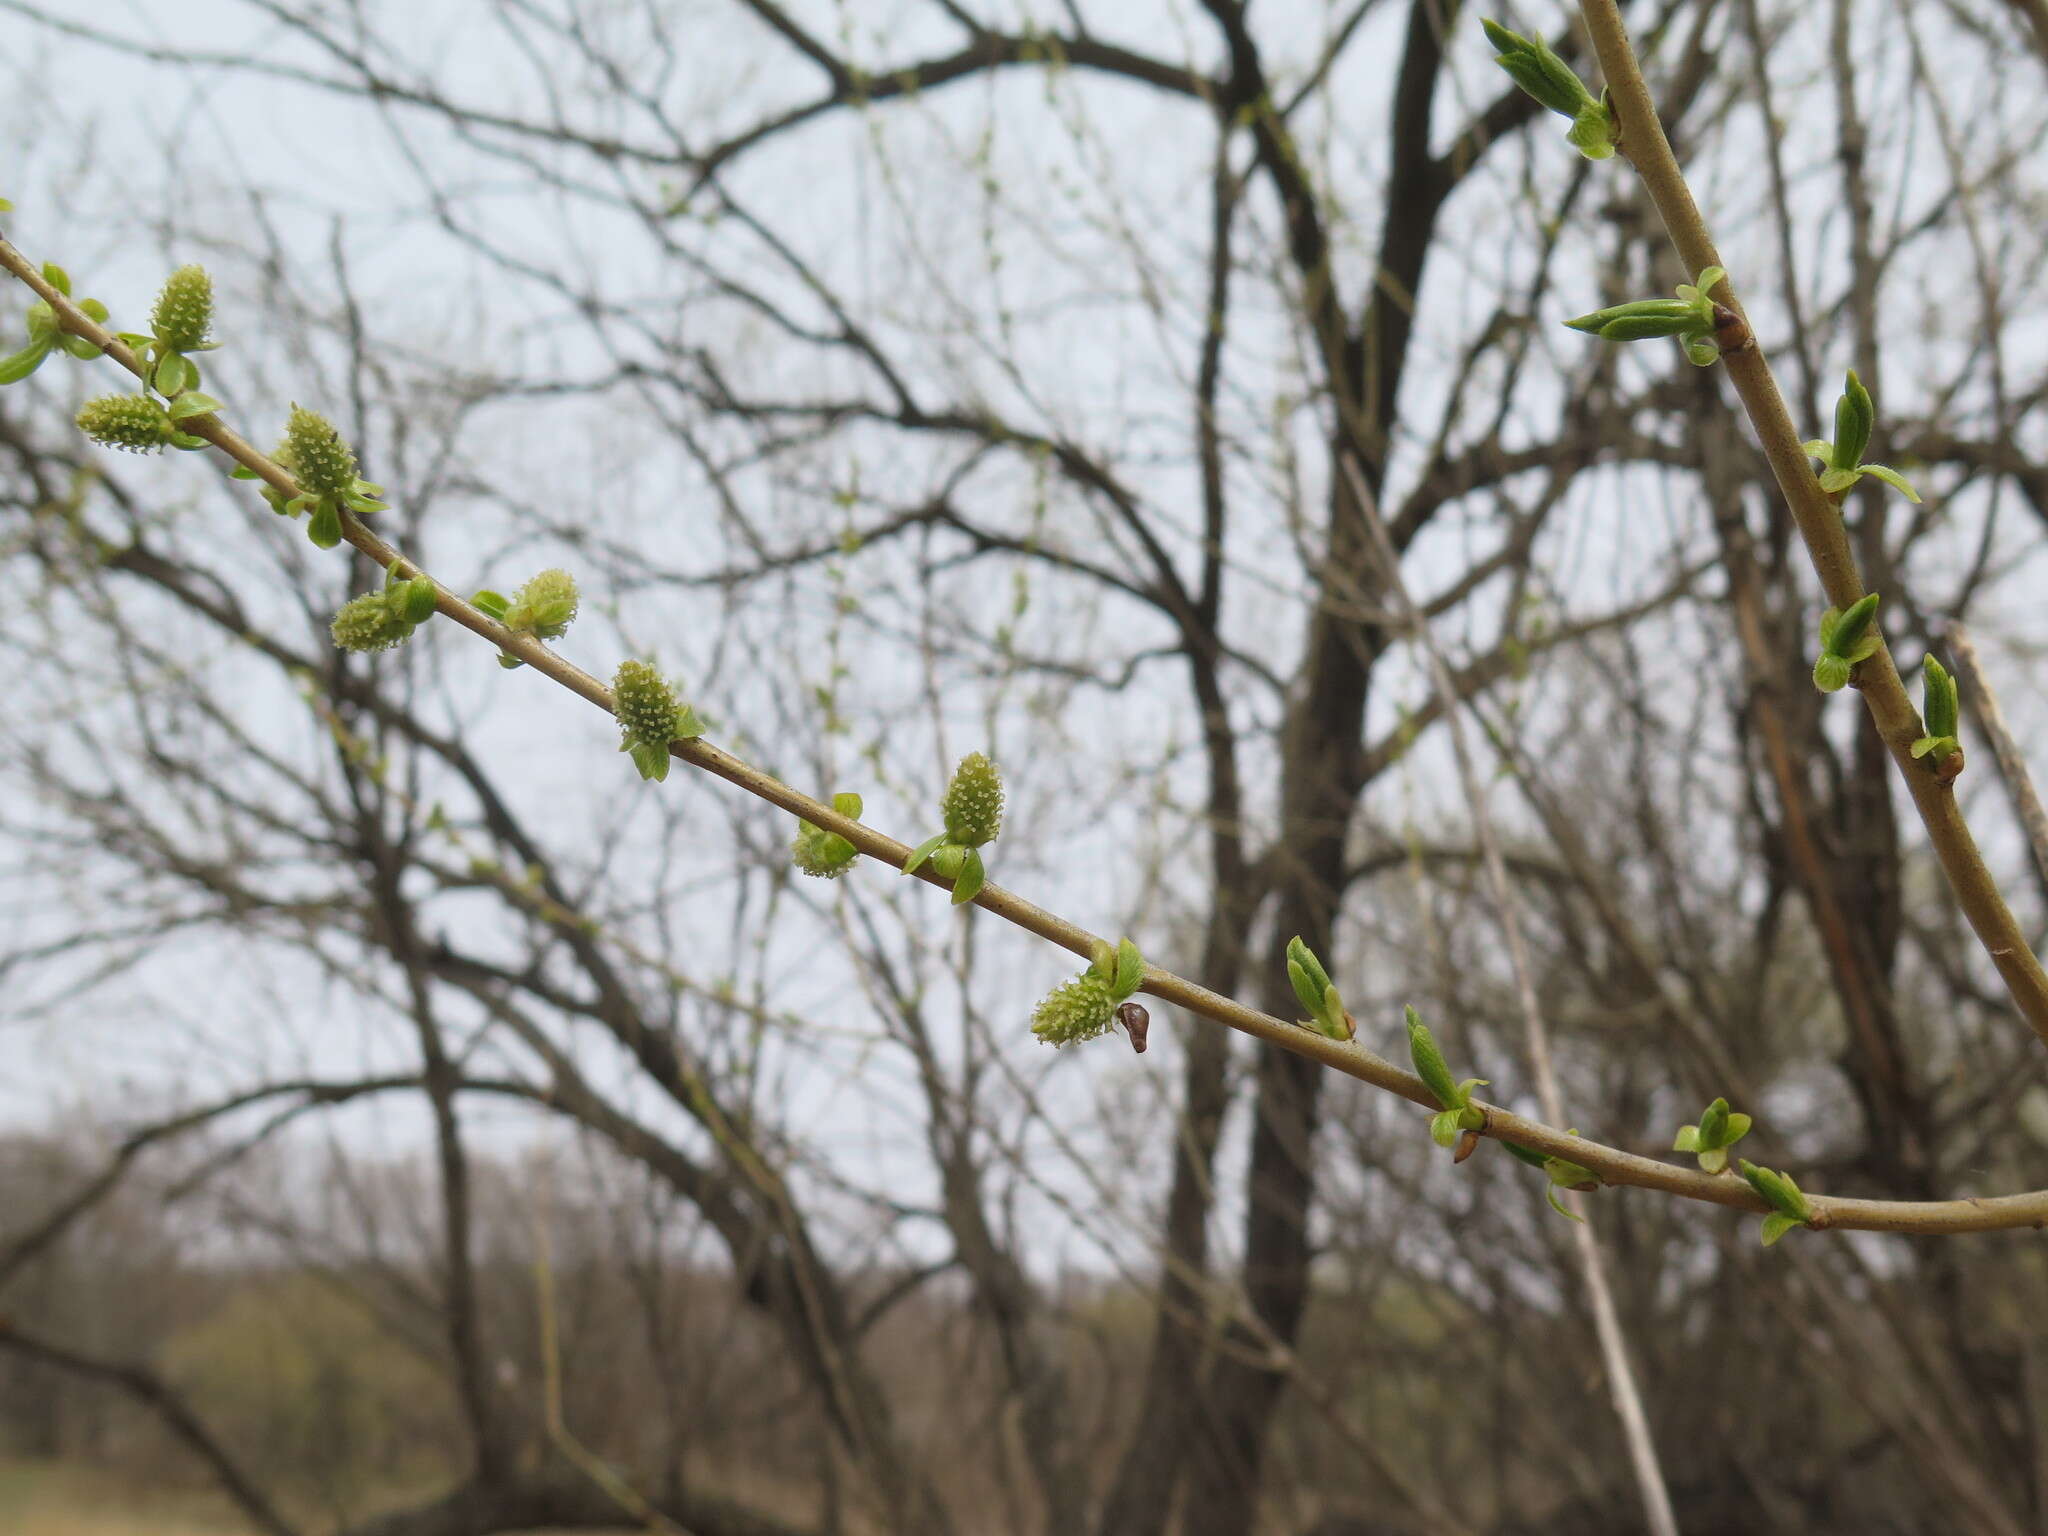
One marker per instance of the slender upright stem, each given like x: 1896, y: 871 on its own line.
x: 2005, y: 750
x: 1820, y: 525
x: 1621, y: 1378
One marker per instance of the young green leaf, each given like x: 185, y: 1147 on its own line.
x: 17, y: 366
x: 972, y: 877
x: 1777, y: 1224
x: 1130, y: 969
x: 923, y: 851
x: 324, y: 526
x: 416, y: 600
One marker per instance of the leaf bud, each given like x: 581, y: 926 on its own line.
x: 1941, y: 701
x: 1846, y: 637
x: 1537, y: 69
x: 1853, y: 628
x: 1306, y: 973
x: 1854, y: 416
x: 1429, y: 1063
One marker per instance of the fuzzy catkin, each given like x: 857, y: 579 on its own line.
x: 546, y: 606
x: 322, y: 461
x: 184, y: 310
x: 973, y: 802
x: 371, y: 622
x: 822, y: 854
x: 132, y: 423
x: 1076, y: 1010
x: 645, y: 704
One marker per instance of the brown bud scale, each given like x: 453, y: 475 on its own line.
x: 1136, y: 1021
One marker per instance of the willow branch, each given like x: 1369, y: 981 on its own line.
x: 1612, y: 1165
x: 1819, y: 520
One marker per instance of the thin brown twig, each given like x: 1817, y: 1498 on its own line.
x: 1626, y: 1395
x: 2005, y: 750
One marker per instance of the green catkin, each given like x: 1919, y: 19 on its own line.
x: 1076, y: 1010
x: 646, y: 705
x: 133, y: 423
x: 973, y: 803
x: 822, y: 854
x: 324, y: 464
x: 184, y: 310
x: 546, y: 606
x: 371, y: 622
